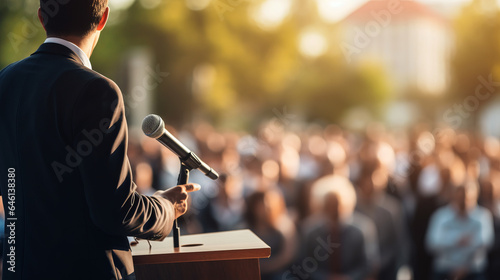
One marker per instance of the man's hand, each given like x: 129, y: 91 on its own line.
x: 178, y: 195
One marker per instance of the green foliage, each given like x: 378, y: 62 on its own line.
x: 477, y: 31
x: 21, y: 31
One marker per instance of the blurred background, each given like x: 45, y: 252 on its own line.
x: 234, y: 63
x: 331, y: 121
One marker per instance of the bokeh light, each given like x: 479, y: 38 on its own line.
x: 271, y: 13
x: 312, y: 43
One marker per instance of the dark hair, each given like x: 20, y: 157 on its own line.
x: 72, y: 17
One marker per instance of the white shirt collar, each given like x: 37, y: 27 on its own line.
x: 83, y: 57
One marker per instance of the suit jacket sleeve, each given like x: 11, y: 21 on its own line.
x: 100, y: 137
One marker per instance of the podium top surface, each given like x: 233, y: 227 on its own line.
x: 228, y: 245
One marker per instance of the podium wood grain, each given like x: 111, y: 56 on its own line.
x: 221, y: 255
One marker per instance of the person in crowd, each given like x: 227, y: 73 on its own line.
x: 385, y: 212
x: 144, y: 178
x: 490, y: 199
x: 460, y: 235
x: 334, y: 200
x: 369, y: 231
x: 266, y: 215
x: 152, y: 155
x: 225, y: 211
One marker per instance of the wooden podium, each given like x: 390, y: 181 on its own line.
x: 221, y: 255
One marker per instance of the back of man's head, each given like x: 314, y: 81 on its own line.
x: 72, y: 17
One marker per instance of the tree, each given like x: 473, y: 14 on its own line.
x: 477, y: 31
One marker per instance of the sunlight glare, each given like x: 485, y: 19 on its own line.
x: 312, y: 43
x: 271, y: 13
x: 331, y: 10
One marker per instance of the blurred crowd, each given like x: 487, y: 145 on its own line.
x: 336, y: 204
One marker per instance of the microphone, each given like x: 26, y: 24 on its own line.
x: 154, y: 127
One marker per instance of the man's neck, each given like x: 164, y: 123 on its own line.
x: 84, y: 43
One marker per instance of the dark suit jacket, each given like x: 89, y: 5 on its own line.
x: 70, y: 201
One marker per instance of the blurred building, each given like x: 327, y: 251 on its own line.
x: 411, y: 39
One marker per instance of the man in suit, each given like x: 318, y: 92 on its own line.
x: 65, y: 178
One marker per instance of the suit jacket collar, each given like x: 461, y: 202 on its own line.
x: 58, y: 49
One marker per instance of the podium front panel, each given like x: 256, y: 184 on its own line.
x: 230, y: 269
x: 220, y: 255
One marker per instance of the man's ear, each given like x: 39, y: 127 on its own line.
x: 40, y: 17
x: 104, y: 20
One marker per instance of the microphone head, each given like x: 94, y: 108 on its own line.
x: 213, y: 174
x: 153, y: 126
